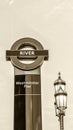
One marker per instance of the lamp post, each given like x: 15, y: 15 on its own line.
x: 60, y: 99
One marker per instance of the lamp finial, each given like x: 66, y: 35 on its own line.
x: 59, y: 74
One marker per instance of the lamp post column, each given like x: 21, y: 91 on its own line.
x: 60, y: 100
x: 61, y: 119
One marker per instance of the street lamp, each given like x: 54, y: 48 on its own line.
x: 60, y: 99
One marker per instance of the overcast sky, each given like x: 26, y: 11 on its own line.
x: 51, y: 23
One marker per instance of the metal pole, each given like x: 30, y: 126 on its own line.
x: 61, y: 122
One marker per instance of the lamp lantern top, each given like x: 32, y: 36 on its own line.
x: 59, y: 81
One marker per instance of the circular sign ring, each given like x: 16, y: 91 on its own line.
x: 21, y: 44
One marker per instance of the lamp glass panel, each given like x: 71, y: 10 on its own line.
x: 59, y: 87
x: 65, y: 100
x: 57, y: 101
x: 61, y: 101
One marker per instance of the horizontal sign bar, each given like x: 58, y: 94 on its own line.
x: 27, y: 54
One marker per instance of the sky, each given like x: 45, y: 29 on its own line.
x: 51, y: 23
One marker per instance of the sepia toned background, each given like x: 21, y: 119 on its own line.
x: 51, y: 23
